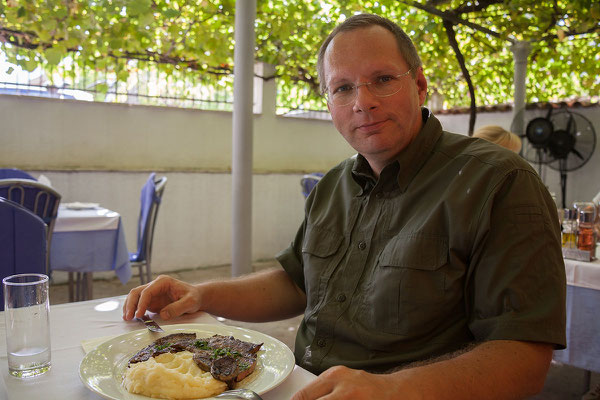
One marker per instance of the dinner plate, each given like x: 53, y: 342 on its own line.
x: 103, y: 368
x: 81, y: 206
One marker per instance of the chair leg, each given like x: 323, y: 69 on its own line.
x: 148, y: 271
x: 78, y: 287
x: 142, y: 274
x: 71, y: 288
x: 89, y: 285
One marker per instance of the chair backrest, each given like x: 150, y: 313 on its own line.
x: 150, y: 199
x: 23, y: 245
x: 11, y: 173
x: 309, y: 181
x: 41, y: 199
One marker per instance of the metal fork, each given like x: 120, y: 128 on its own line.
x: 239, y: 394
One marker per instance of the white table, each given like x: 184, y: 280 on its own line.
x: 72, y: 323
x: 85, y: 241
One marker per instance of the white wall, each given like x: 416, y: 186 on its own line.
x: 95, y: 152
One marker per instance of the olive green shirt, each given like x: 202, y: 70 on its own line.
x: 458, y: 241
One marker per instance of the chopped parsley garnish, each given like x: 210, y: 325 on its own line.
x: 162, y: 346
x: 202, y: 345
x: 225, y: 352
x: 244, y: 365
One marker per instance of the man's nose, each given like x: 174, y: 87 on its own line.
x: 365, y: 100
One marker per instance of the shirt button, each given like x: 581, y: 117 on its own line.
x: 321, y: 342
x: 341, y: 297
x: 379, y: 195
x: 362, y: 245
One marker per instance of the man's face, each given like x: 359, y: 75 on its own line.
x: 379, y: 128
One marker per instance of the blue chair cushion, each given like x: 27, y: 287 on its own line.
x: 23, y: 238
x: 147, y: 198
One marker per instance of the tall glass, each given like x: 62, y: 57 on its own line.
x: 27, y: 312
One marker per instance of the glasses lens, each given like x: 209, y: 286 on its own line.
x: 382, y: 87
x: 342, y: 97
x: 386, y: 87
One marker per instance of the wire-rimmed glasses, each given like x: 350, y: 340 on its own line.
x: 383, y: 86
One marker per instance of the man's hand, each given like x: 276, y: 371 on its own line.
x: 342, y: 383
x: 165, y: 295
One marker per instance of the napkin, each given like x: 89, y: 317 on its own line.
x: 81, y: 206
x: 43, y: 179
x: 90, y: 344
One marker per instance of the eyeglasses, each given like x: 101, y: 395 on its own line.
x: 383, y: 86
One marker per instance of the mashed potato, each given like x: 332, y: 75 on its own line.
x: 171, y: 376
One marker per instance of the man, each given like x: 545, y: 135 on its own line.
x: 427, y: 267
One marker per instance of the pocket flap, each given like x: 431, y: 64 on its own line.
x: 417, y: 251
x: 321, y: 242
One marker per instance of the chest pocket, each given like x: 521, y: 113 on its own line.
x: 319, y: 251
x: 406, y: 294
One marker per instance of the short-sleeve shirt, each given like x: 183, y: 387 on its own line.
x: 458, y: 241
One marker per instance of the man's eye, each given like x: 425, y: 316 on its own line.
x: 342, y: 89
x: 385, y: 79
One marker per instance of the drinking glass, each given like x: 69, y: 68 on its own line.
x: 27, y: 311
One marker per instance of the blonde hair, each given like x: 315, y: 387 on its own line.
x: 500, y: 136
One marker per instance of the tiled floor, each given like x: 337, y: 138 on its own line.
x: 563, y: 382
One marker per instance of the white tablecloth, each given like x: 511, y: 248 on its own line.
x: 95, y: 219
x: 73, y: 323
x: 88, y: 241
x: 583, y: 324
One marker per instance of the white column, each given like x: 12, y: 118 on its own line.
x: 243, y: 64
x: 520, y: 53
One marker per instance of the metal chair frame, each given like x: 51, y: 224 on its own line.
x: 145, y: 252
x: 42, y: 205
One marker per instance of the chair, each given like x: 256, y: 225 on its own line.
x: 309, y: 181
x: 22, y: 242
x: 11, y: 173
x: 150, y: 199
x: 42, y: 200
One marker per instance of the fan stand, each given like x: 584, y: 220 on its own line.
x: 562, y: 166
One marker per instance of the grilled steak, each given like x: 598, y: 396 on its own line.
x: 227, y: 359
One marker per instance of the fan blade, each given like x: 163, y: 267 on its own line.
x: 570, y: 123
x: 578, y: 154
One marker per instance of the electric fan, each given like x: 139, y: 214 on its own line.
x: 563, y: 139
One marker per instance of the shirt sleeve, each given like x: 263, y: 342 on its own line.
x: 291, y: 259
x: 516, y: 284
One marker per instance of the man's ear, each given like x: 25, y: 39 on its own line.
x: 421, y: 85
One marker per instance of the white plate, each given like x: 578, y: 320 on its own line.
x: 81, y: 206
x: 102, y: 369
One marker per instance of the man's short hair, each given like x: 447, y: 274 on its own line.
x: 405, y: 45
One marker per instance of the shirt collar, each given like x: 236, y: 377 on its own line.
x: 409, y: 161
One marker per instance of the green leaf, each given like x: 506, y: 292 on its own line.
x: 21, y: 12
x: 138, y: 7
x: 53, y: 55
x: 102, y: 88
x: 170, y: 13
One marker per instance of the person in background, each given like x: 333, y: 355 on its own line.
x: 500, y: 136
x: 428, y: 266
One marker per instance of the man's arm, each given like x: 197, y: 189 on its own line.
x: 263, y: 296
x: 500, y: 369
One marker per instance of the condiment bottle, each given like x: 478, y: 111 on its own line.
x: 585, y: 232
x: 569, y: 229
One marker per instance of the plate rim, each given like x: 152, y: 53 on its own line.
x: 289, y: 367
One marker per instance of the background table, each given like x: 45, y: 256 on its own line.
x: 89, y: 240
x: 583, y: 324
x: 72, y: 323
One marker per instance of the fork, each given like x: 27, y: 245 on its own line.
x: 239, y: 394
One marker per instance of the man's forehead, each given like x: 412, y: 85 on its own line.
x: 369, y: 48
